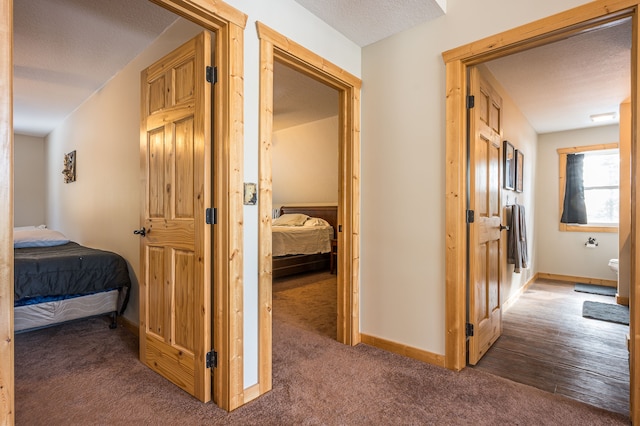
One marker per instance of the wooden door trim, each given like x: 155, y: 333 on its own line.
x: 274, y: 46
x: 7, y: 380
x: 228, y: 155
x: 579, y: 19
x: 212, y: 15
x: 228, y: 150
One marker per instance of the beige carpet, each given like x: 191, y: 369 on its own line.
x: 83, y: 373
x: 307, y: 301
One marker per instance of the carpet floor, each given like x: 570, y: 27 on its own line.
x: 308, y: 301
x: 83, y: 373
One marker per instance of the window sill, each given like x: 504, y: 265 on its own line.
x: 564, y: 227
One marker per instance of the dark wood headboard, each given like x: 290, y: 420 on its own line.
x: 328, y: 213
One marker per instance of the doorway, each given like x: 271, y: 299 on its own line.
x: 228, y: 24
x: 274, y: 46
x: 305, y: 180
x: 559, y: 253
x: 545, y: 31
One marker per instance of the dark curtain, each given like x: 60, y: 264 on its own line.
x: 575, y: 210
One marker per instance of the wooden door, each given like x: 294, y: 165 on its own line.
x: 175, y: 292
x: 485, y: 134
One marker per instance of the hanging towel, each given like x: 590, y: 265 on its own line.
x: 517, y: 239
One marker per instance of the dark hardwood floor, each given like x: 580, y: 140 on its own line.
x: 546, y: 343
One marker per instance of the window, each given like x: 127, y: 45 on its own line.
x: 601, y: 186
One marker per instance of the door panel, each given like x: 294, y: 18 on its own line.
x: 175, y: 294
x: 485, y: 135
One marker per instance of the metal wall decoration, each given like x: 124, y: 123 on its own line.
x: 69, y: 171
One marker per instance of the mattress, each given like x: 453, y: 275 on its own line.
x: 42, y: 314
x: 292, y: 240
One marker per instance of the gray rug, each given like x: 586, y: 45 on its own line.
x: 596, y: 289
x: 606, y: 312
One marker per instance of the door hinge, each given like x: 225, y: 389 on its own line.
x: 470, y: 216
x: 471, y: 101
x: 468, y: 330
x: 211, y: 216
x: 212, y: 74
x: 212, y: 359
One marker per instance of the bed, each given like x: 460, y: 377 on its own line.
x: 57, y: 280
x: 299, y: 249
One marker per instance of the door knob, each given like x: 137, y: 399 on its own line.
x: 142, y: 232
x: 502, y: 227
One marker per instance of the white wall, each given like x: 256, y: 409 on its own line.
x: 101, y: 208
x: 305, y: 164
x: 564, y: 253
x: 403, y: 167
x: 29, y: 180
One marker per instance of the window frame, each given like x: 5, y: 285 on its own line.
x: 562, y: 154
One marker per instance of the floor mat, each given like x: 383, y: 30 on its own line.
x: 606, y: 312
x: 596, y: 289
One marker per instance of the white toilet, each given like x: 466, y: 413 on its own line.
x: 613, y: 264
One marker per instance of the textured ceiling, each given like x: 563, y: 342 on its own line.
x: 367, y: 21
x: 558, y: 86
x: 65, y: 50
x: 299, y: 99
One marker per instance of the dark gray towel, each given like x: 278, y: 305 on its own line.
x: 517, y: 239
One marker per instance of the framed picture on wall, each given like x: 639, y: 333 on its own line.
x: 509, y: 165
x: 69, y: 170
x: 519, y: 170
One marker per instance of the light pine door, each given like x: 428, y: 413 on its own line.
x: 175, y: 289
x: 485, y: 133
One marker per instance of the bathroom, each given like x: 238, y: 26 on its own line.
x: 584, y: 253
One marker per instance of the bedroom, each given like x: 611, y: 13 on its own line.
x: 101, y: 207
x: 305, y: 176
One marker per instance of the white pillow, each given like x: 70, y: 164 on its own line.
x: 38, y: 237
x: 316, y: 221
x: 292, y: 219
x: 24, y: 228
